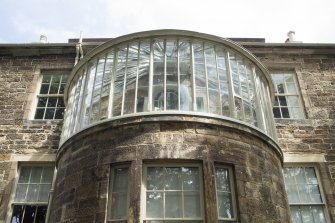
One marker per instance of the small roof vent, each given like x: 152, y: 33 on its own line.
x: 291, y: 38
x: 43, y: 39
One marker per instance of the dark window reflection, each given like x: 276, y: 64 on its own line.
x: 28, y: 214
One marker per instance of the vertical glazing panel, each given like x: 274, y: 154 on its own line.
x: 143, y: 77
x: 81, y: 100
x: 200, y: 77
x: 234, y: 74
x: 158, y: 76
x: 245, y: 94
x: 131, y: 76
x: 119, y: 81
x: 171, y: 75
x: 76, y: 104
x: 88, y: 93
x: 213, y: 83
x: 252, y: 96
x: 185, y: 72
x: 106, y: 83
x: 69, y: 114
x: 94, y: 115
x: 222, y: 73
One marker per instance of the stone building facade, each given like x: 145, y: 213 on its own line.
x: 167, y: 164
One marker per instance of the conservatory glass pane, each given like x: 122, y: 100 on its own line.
x: 158, y: 76
x: 119, y: 81
x: 131, y: 76
x: 143, y: 77
x: 186, y: 99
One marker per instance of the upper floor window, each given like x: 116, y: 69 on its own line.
x: 224, y: 193
x: 304, y: 195
x: 32, y: 194
x: 50, y: 103
x: 288, y: 103
x: 173, y: 193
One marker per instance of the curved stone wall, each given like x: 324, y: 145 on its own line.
x: 84, y: 163
x: 172, y: 72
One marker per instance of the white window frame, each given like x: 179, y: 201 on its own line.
x: 61, y: 73
x: 144, y: 190
x: 232, y: 192
x: 297, y: 94
x: 110, y: 193
x: 17, y: 176
x: 318, y: 177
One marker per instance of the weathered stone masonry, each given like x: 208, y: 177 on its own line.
x: 18, y: 134
x: 84, y: 162
x: 315, y: 135
x: 81, y: 187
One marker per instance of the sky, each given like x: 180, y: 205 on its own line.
x: 24, y: 21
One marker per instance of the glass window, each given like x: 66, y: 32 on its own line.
x: 173, y: 193
x: 304, y: 195
x: 287, y: 98
x: 224, y: 193
x: 50, y: 103
x: 32, y: 194
x: 119, y: 194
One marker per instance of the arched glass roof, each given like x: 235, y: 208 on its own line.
x: 168, y: 71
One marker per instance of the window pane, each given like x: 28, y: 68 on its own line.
x: 224, y: 205
x: 60, y: 102
x: 52, y: 101
x: 54, y: 88
x: 44, y: 88
x: 24, y: 174
x: 172, y: 178
x: 41, y: 214
x: 36, y: 174
x: 222, y: 179
x: 120, y: 179
x: 190, y: 178
x: 306, y: 214
x: 131, y: 76
x: 46, y: 78
x: 59, y: 113
x: 143, y: 78
x: 154, y: 205
x: 155, y: 178
x: 47, y: 174
x: 295, y: 214
x: 119, y: 81
x: 185, y: 76
x: 276, y: 112
x: 119, y: 206
x: 192, y: 206
x: 49, y: 113
x: 17, y: 215
x: 32, y: 192
x: 39, y: 113
x: 318, y: 214
x: 42, y: 102
x: 173, y: 205
x: 44, y: 191
x: 29, y: 214
x: 21, y: 191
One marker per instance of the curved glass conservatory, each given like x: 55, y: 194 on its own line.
x: 168, y: 72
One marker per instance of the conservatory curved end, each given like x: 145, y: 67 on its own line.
x: 168, y: 72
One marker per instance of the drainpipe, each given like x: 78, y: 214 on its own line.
x: 51, y: 196
x: 79, y: 49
